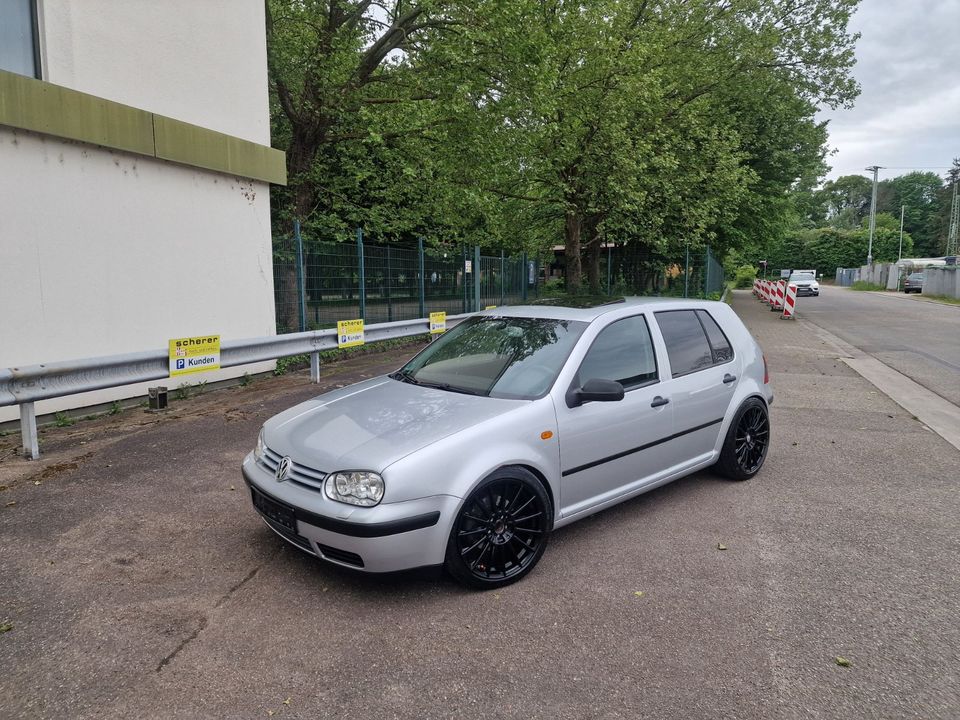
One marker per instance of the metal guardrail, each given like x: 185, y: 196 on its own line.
x: 24, y: 386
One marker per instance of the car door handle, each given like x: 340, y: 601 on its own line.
x: 728, y: 378
x: 659, y: 401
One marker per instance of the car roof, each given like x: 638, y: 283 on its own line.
x: 624, y: 307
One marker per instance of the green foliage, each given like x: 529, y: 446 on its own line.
x: 63, y: 420
x: 552, y: 288
x: 868, y: 286
x: 828, y: 248
x: 115, y: 408
x: 184, y: 391
x: 744, y: 277
x: 657, y: 126
x: 245, y: 380
x: 294, y: 362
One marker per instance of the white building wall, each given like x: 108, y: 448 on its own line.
x: 200, y: 61
x: 105, y: 252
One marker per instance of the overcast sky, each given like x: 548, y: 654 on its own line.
x: 908, y: 111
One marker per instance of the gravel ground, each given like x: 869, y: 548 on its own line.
x: 139, y: 582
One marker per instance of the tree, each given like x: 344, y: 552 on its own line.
x: 847, y: 200
x: 919, y: 195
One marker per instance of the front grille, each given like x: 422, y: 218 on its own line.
x: 343, y: 556
x: 299, y: 474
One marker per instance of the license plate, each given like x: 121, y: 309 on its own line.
x: 271, y: 509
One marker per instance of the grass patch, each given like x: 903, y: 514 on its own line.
x: 63, y: 420
x: 943, y: 299
x: 868, y: 286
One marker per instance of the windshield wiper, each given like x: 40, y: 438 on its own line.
x: 449, y: 387
x: 404, y: 376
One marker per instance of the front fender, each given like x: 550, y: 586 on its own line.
x: 455, y: 464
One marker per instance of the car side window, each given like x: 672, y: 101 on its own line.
x: 686, y: 341
x: 719, y: 345
x: 623, y: 351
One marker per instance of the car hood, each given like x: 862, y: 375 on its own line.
x: 372, y: 424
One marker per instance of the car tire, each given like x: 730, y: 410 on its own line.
x: 501, y: 530
x: 748, y: 439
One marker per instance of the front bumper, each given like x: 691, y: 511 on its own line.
x: 384, y: 538
x: 807, y: 292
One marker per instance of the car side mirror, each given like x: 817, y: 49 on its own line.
x: 596, y: 390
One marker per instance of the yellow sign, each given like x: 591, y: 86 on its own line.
x: 438, y: 323
x: 490, y: 307
x: 194, y: 354
x: 349, y: 333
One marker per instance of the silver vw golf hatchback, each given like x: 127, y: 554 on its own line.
x: 517, y: 421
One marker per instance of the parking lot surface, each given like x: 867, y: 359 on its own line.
x: 138, y: 582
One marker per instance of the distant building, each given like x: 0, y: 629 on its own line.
x: 135, y: 172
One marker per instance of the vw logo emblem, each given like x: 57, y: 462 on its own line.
x: 283, y: 469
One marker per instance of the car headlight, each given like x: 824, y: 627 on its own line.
x: 259, y: 448
x: 354, y: 487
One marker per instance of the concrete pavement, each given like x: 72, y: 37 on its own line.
x: 919, y: 339
x: 139, y: 582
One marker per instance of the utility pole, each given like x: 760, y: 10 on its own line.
x: 954, y: 222
x: 873, y: 213
x: 900, y: 251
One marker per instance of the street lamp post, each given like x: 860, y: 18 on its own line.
x: 873, y: 214
x: 900, y: 251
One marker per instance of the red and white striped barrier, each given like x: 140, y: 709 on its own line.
x: 776, y: 297
x: 765, y: 291
x: 756, y: 284
x: 790, y: 303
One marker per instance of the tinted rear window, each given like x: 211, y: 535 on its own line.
x: 686, y: 341
x: 719, y: 346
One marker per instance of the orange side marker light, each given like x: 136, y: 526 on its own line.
x: 546, y: 435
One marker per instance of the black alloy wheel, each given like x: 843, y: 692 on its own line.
x: 501, y: 530
x: 748, y: 439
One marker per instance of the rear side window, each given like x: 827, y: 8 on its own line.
x: 720, y: 349
x: 623, y: 352
x: 687, y: 345
x: 694, y: 340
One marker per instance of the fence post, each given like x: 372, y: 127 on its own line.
x: 706, y: 274
x: 315, y: 366
x: 609, y: 261
x: 301, y: 283
x: 463, y: 274
x: 389, y: 282
x: 502, y: 278
x: 363, y: 277
x: 422, y: 310
x: 686, y: 273
x: 476, y: 278
x: 526, y: 276
x: 28, y: 431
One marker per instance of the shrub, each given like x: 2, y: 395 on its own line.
x: 744, y: 277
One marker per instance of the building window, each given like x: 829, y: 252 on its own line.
x: 19, y: 42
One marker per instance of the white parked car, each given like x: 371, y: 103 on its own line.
x: 516, y: 422
x: 806, y: 282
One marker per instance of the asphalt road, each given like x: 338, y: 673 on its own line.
x: 138, y: 582
x: 919, y: 339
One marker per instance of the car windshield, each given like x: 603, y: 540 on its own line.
x: 503, y: 357
x: 916, y: 276
x: 804, y: 277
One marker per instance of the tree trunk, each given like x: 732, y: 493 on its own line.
x: 572, y: 228
x: 591, y: 225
